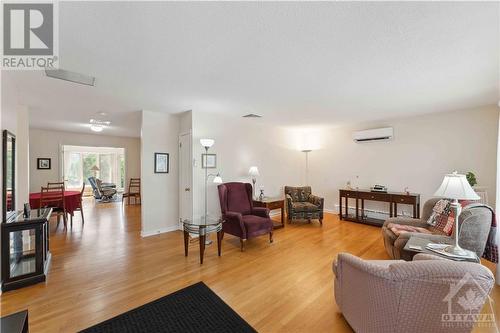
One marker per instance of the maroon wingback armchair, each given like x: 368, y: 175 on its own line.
x: 242, y: 219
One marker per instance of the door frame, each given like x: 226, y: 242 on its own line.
x: 190, y: 173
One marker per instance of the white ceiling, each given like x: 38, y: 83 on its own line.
x: 294, y: 63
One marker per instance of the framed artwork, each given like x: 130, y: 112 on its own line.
x: 43, y: 163
x: 161, y: 162
x: 208, y: 161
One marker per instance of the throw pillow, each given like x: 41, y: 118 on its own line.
x: 443, y: 217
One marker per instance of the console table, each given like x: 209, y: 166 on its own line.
x: 392, y: 198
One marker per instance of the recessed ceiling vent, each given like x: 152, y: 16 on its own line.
x: 252, y: 115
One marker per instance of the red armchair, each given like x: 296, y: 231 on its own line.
x: 242, y: 219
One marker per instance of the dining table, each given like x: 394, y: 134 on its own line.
x: 71, y: 200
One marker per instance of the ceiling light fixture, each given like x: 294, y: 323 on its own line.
x: 98, y: 125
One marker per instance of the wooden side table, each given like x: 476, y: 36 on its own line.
x: 271, y: 204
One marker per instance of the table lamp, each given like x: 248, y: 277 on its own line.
x: 95, y: 168
x: 456, y: 187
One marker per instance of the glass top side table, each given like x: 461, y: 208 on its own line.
x: 202, y: 227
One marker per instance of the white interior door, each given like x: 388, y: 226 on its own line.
x: 185, y: 177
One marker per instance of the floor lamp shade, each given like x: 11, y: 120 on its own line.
x: 207, y: 143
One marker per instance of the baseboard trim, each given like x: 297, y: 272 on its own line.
x: 159, y: 231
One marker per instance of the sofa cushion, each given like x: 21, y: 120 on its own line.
x: 399, y: 229
x: 304, y: 207
x: 256, y: 225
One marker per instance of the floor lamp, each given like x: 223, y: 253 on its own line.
x: 307, y: 151
x: 207, y: 143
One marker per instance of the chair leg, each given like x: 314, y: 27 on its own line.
x: 71, y: 220
x: 321, y: 222
x: 271, y: 237
x: 65, y: 220
x: 242, y: 244
x: 81, y: 211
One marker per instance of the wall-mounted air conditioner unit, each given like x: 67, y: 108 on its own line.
x: 371, y: 135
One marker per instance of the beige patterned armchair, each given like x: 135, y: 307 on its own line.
x: 302, y: 204
x: 391, y: 296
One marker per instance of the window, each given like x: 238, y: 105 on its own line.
x: 80, y: 163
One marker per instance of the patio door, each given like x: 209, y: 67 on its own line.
x: 82, y: 162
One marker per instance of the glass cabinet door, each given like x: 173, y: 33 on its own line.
x: 22, y: 252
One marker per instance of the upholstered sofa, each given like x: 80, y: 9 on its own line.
x: 392, y: 296
x: 302, y: 204
x: 474, y: 225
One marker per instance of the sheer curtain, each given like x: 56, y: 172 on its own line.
x: 80, y: 162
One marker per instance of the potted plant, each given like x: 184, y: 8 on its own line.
x: 471, y: 178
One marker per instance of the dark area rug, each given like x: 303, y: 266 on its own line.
x: 192, y: 309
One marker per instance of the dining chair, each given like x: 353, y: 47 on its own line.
x: 80, y: 206
x: 134, y: 190
x: 54, y: 197
x: 55, y: 184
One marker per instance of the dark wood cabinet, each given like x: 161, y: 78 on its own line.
x: 392, y: 198
x: 15, y: 323
x: 25, y: 249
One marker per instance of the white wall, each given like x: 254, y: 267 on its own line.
x: 160, y: 192
x: 239, y: 144
x: 47, y: 143
x: 423, y: 150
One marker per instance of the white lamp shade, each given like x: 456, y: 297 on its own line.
x: 456, y: 186
x: 254, y: 171
x: 207, y: 143
x: 218, y: 179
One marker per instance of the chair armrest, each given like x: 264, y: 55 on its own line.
x: 372, y: 268
x: 431, y: 237
x: 289, y: 202
x: 260, y: 211
x: 425, y: 256
x: 315, y: 200
x: 235, y: 217
x: 406, y: 221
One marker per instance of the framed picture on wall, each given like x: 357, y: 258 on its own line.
x: 208, y: 161
x: 161, y: 162
x: 43, y: 163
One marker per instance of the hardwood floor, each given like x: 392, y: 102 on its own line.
x: 106, y: 268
